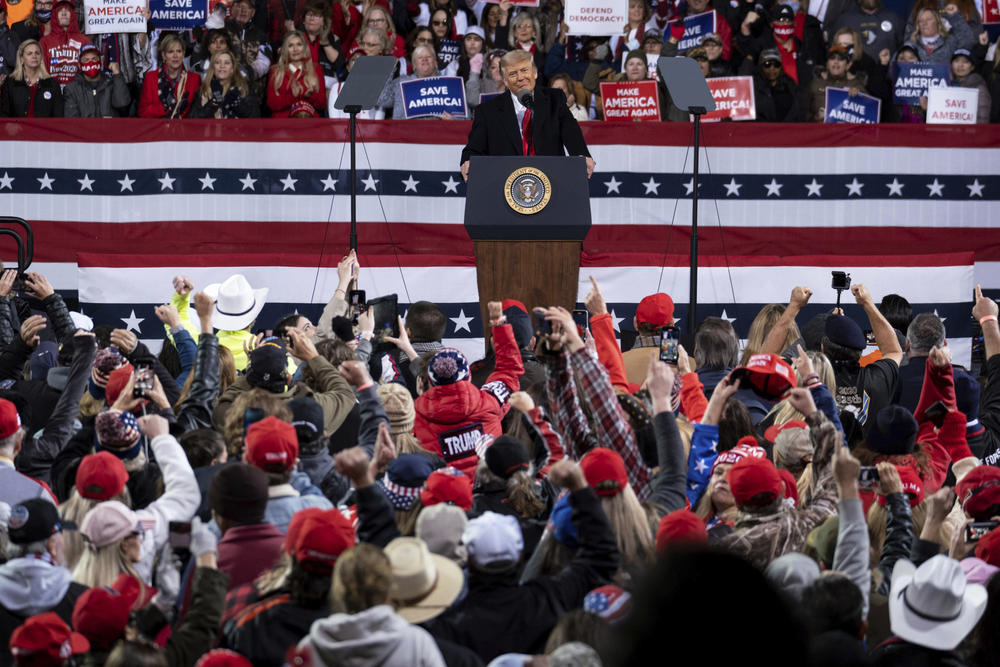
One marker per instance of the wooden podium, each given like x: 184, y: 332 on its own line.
x: 527, y: 217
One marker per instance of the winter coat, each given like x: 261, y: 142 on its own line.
x: 375, y: 636
x: 815, y: 93
x: 959, y: 37
x: 247, y: 107
x: 15, y: 99
x: 280, y: 101
x: 196, y: 410
x: 449, y: 416
x: 761, y: 538
x: 975, y: 80
x: 266, y: 629
x: 499, y: 615
x: 767, y: 98
x: 150, y: 105
x: 61, y: 49
x: 98, y: 98
x: 30, y: 586
x: 8, y: 49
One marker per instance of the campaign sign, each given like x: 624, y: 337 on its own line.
x: 696, y: 27
x: 991, y: 11
x: 178, y: 14
x: 842, y: 108
x: 519, y: 3
x: 630, y: 100
x: 596, y: 18
x: 734, y: 98
x: 954, y: 106
x: 449, y: 51
x: 106, y: 16
x: 484, y: 97
x: 911, y: 80
x: 434, y: 96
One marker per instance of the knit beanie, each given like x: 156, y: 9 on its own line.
x: 505, y: 456
x: 238, y: 492
x: 117, y: 432
x: 398, y: 404
x: 448, y: 366
x: 105, y: 362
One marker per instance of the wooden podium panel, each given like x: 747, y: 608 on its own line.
x: 536, y: 273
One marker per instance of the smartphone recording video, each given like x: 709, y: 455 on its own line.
x: 670, y: 340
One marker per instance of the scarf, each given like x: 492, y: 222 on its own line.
x: 228, y: 103
x: 168, y: 94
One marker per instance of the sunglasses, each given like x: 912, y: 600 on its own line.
x: 439, y: 23
x: 771, y: 64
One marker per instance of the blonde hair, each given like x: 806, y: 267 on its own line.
x: 858, y: 48
x: 390, y: 29
x: 941, y: 27
x: 18, y: 74
x: 234, y: 429
x: 878, y: 517
x: 165, y: 42
x: 407, y: 443
x: 406, y: 520
x: 74, y: 510
x: 761, y: 327
x: 362, y: 579
x: 631, y: 525
x: 273, y: 579
x: 100, y: 567
x: 237, y: 80
x: 227, y: 371
x: 309, y: 76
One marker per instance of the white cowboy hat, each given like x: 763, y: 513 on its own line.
x: 932, y: 606
x: 237, y: 304
x: 424, y: 585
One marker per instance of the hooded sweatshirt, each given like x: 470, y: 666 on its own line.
x: 61, y: 47
x: 375, y: 636
x: 32, y: 585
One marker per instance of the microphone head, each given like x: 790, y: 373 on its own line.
x: 526, y: 98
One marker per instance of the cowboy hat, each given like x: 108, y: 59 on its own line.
x: 237, y: 304
x: 424, y: 585
x: 932, y: 605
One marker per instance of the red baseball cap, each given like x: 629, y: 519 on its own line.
x: 790, y: 485
x: 116, y: 382
x: 100, y: 476
x: 322, y: 538
x: 979, y: 491
x: 447, y: 485
x: 604, y: 465
x: 913, y: 485
x: 738, y: 453
x: 755, y: 482
x: 988, y: 548
x: 768, y: 375
x: 680, y: 526
x: 10, y: 421
x: 771, y: 434
x: 101, y: 614
x: 656, y: 309
x: 272, y: 445
x: 223, y: 657
x: 45, y: 640
x: 298, y: 519
x: 512, y: 303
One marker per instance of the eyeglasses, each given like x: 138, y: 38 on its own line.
x: 380, y: 19
x: 371, y: 45
x: 771, y: 64
x: 439, y: 23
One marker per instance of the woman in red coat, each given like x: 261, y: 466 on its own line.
x: 295, y: 78
x: 169, y: 92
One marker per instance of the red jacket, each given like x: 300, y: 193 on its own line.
x: 451, y: 417
x: 280, y: 103
x: 150, y: 105
x: 247, y: 551
x: 609, y: 354
x: 61, y: 49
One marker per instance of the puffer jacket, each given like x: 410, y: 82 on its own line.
x: 451, y: 417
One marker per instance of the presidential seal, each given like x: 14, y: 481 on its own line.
x: 527, y: 190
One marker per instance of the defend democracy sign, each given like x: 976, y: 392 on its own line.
x: 178, y: 14
x: 842, y: 108
x: 734, y: 98
x: 519, y: 3
x: 107, y: 16
x: 434, y: 96
x: 911, y: 80
x: 630, y: 100
x: 696, y: 27
x: 596, y: 17
x: 955, y: 106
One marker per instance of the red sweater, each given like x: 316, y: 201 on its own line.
x: 150, y: 105
x: 451, y: 417
x: 280, y: 102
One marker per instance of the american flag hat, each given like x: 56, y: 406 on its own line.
x: 404, y: 478
x: 609, y: 602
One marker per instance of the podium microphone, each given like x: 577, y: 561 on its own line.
x: 526, y: 98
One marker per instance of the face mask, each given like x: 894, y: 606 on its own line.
x: 783, y: 32
x: 43, y: 15
x: 91, y: 68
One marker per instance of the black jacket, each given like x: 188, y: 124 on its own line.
x: 988, y: 443
x: 264, y: 631
x: 10, y: 621
x: 15, y: 98
x: 8, y: 49
x: 247, y: 107
x: 495, y: 130
x: 499, y: 615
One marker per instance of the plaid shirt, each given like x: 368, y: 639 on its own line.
x: 239, y: 599
x: 611, y: 428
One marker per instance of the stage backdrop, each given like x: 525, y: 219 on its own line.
x: 120, y: 206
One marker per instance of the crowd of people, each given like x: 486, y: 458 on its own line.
x: 300, y: 493
x: 289, y: 59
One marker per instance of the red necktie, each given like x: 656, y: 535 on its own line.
x: 527, y: 145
